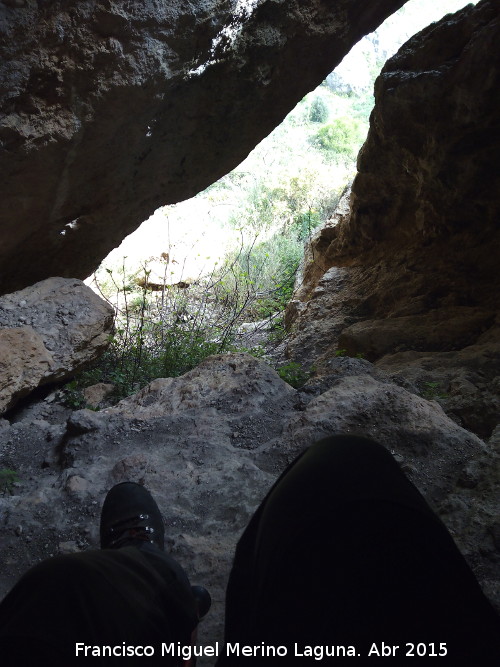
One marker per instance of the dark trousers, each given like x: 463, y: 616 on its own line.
x: 344, y: 551
x: 137, y: 596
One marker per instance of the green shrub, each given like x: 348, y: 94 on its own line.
x: 257, y: 351
x: 304, y: 223
x: 8, y: 478
x: 342, y: 137
x: 263, y: 275
x: 132, y: 365
x: 318, y: 112
x: 433, y: 390
x: 72, y: 393
x: 278, y: 331
x: 362, y: 107
x: 168, y: 332
x: 294, y: 374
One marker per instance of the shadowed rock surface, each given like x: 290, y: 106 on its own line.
x: 209, y: 445
x: 112, y: 109
x: 405, y: 274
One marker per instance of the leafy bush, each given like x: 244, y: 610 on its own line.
x: 343, y: 137
x: 72, y: 394
x: 294, y: 374
x: 318, y: 112
x: 278, y: 331
x: 161, y: 334
x: 362, y: 107
x: 168, y: 332
x: 304, y: 224
x: 270, y: 268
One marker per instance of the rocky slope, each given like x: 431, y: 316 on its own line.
x: 110, y: 109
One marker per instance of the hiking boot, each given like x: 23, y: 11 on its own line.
x: 130, y: 517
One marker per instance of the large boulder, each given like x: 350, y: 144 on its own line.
x: 24, y: 361
x: 48, y: 332
x: 113, y: 108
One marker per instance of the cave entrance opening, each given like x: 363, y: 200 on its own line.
x: 214, y: 273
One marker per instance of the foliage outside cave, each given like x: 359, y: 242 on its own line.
x: 270, y: 204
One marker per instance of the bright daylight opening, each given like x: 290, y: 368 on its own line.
x: 215, y: 273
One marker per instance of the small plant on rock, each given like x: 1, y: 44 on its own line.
x: 278, y: 331
x: 433, y: 390
x: 72, y: 395
x: 294, y: 374
x: 8, y: 478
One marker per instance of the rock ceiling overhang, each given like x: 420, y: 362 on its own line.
x: 112, y: 109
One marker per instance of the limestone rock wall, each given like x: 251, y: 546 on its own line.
x: 435, y: 129
x: 110, y: 109
x: 406, y: 272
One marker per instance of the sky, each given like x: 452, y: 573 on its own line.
x: 395, y: 31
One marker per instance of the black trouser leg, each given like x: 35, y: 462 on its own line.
x: 345, y: 551
x: 111, y: 597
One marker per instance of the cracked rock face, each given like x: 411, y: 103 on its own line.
x: 24, y: 361
x: 110, y: 109
x: 435, y: 129
x: 406, y: 272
